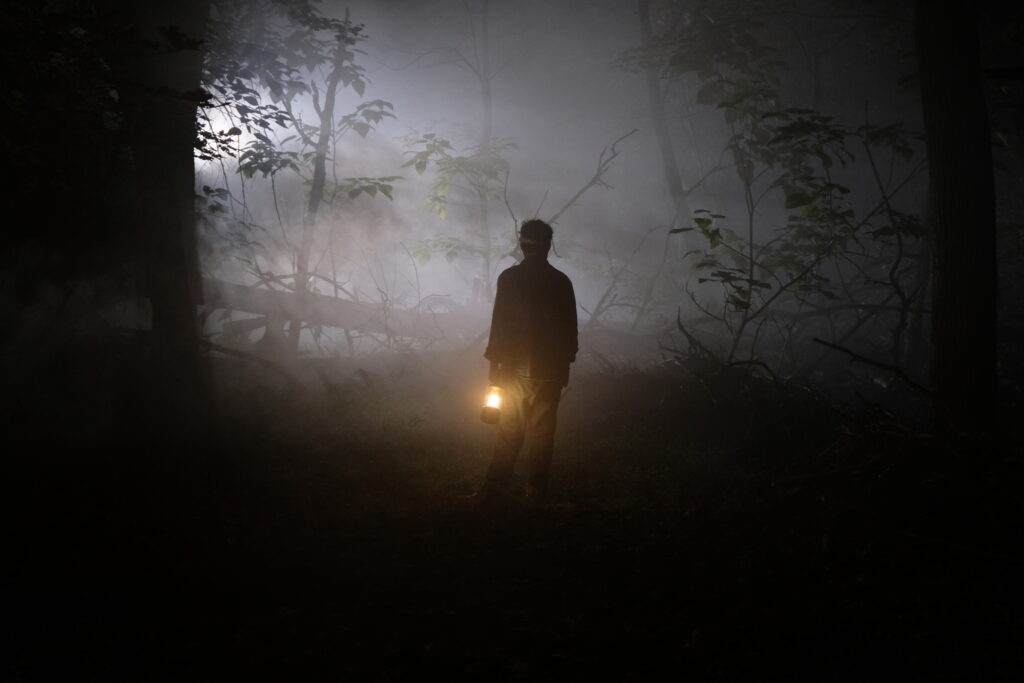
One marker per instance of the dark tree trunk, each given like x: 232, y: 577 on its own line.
x: 158, y: 85
x: 659, y: 119
x: 918, y: 351
x: 962, y: 216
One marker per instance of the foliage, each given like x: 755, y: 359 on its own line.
x: 353, y: 187
x: 268, y: 63
x: 259, y: 53
x: 479, y: 168
x: 788, y: 162
x: 476, y: 171
x: 454, y: 248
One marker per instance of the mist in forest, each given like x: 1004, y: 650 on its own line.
x: 768, y: 157
x: 558, y: 102
x: 249, y: 267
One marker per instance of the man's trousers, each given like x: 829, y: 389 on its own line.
x: 528, y: 414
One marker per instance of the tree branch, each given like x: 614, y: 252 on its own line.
x: 603, y: 164
x: 874, y: 363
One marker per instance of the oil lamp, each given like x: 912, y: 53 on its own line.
x: 491, y: 411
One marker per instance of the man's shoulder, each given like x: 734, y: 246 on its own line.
x: 510, y: 273
x: 559, y: 275
x: 520, y: 270
x: 515, y: 267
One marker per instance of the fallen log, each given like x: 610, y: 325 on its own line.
x: 317, y: 309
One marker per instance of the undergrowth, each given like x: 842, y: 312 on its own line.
x: 720, y: 523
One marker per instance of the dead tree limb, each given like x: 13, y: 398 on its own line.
x: 760, y: 364
x: 696, y: 349
x: 874, y: 363
x: 317, y: 309
x: 651, y: 284
x: 609, y: 297
x: 604, y: 162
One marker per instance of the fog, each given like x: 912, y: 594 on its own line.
x: 570, y: 115
x: 248, y: 279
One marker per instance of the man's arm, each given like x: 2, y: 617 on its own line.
x: 498, y: 339
x: 572, y: 333
x: 567, y: 300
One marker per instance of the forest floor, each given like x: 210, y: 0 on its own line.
x: 718, y: 527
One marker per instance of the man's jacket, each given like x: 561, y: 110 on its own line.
x: 533, y: 327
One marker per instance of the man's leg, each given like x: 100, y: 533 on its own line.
x: 543, y: 416
x: 509, y: 437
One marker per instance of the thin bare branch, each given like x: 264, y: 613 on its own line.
x: 542, y: 200
x: 874, y: 363
x: 604, y: 161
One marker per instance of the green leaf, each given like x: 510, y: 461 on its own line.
x: 714, y: 238
x: 797, y: 199
x: 738, y: 303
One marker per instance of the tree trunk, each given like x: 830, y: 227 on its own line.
x: 962, y: 217
x: 917, y: 351
x: 159, y: 91
x: 669, y: 164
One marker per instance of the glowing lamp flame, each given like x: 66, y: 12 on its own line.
x: 491, y: 411
x: 493, y: 398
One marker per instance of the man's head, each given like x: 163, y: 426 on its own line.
x: 535, y: 237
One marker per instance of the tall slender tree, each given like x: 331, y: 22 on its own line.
x: 961, y: 214
x: 342, y: 71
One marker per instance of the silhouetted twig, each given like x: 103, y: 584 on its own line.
x: 874, y: 363
x: 604, y: 162
x: 760, y: 364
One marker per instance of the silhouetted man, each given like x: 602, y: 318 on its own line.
x: 533, y: 340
